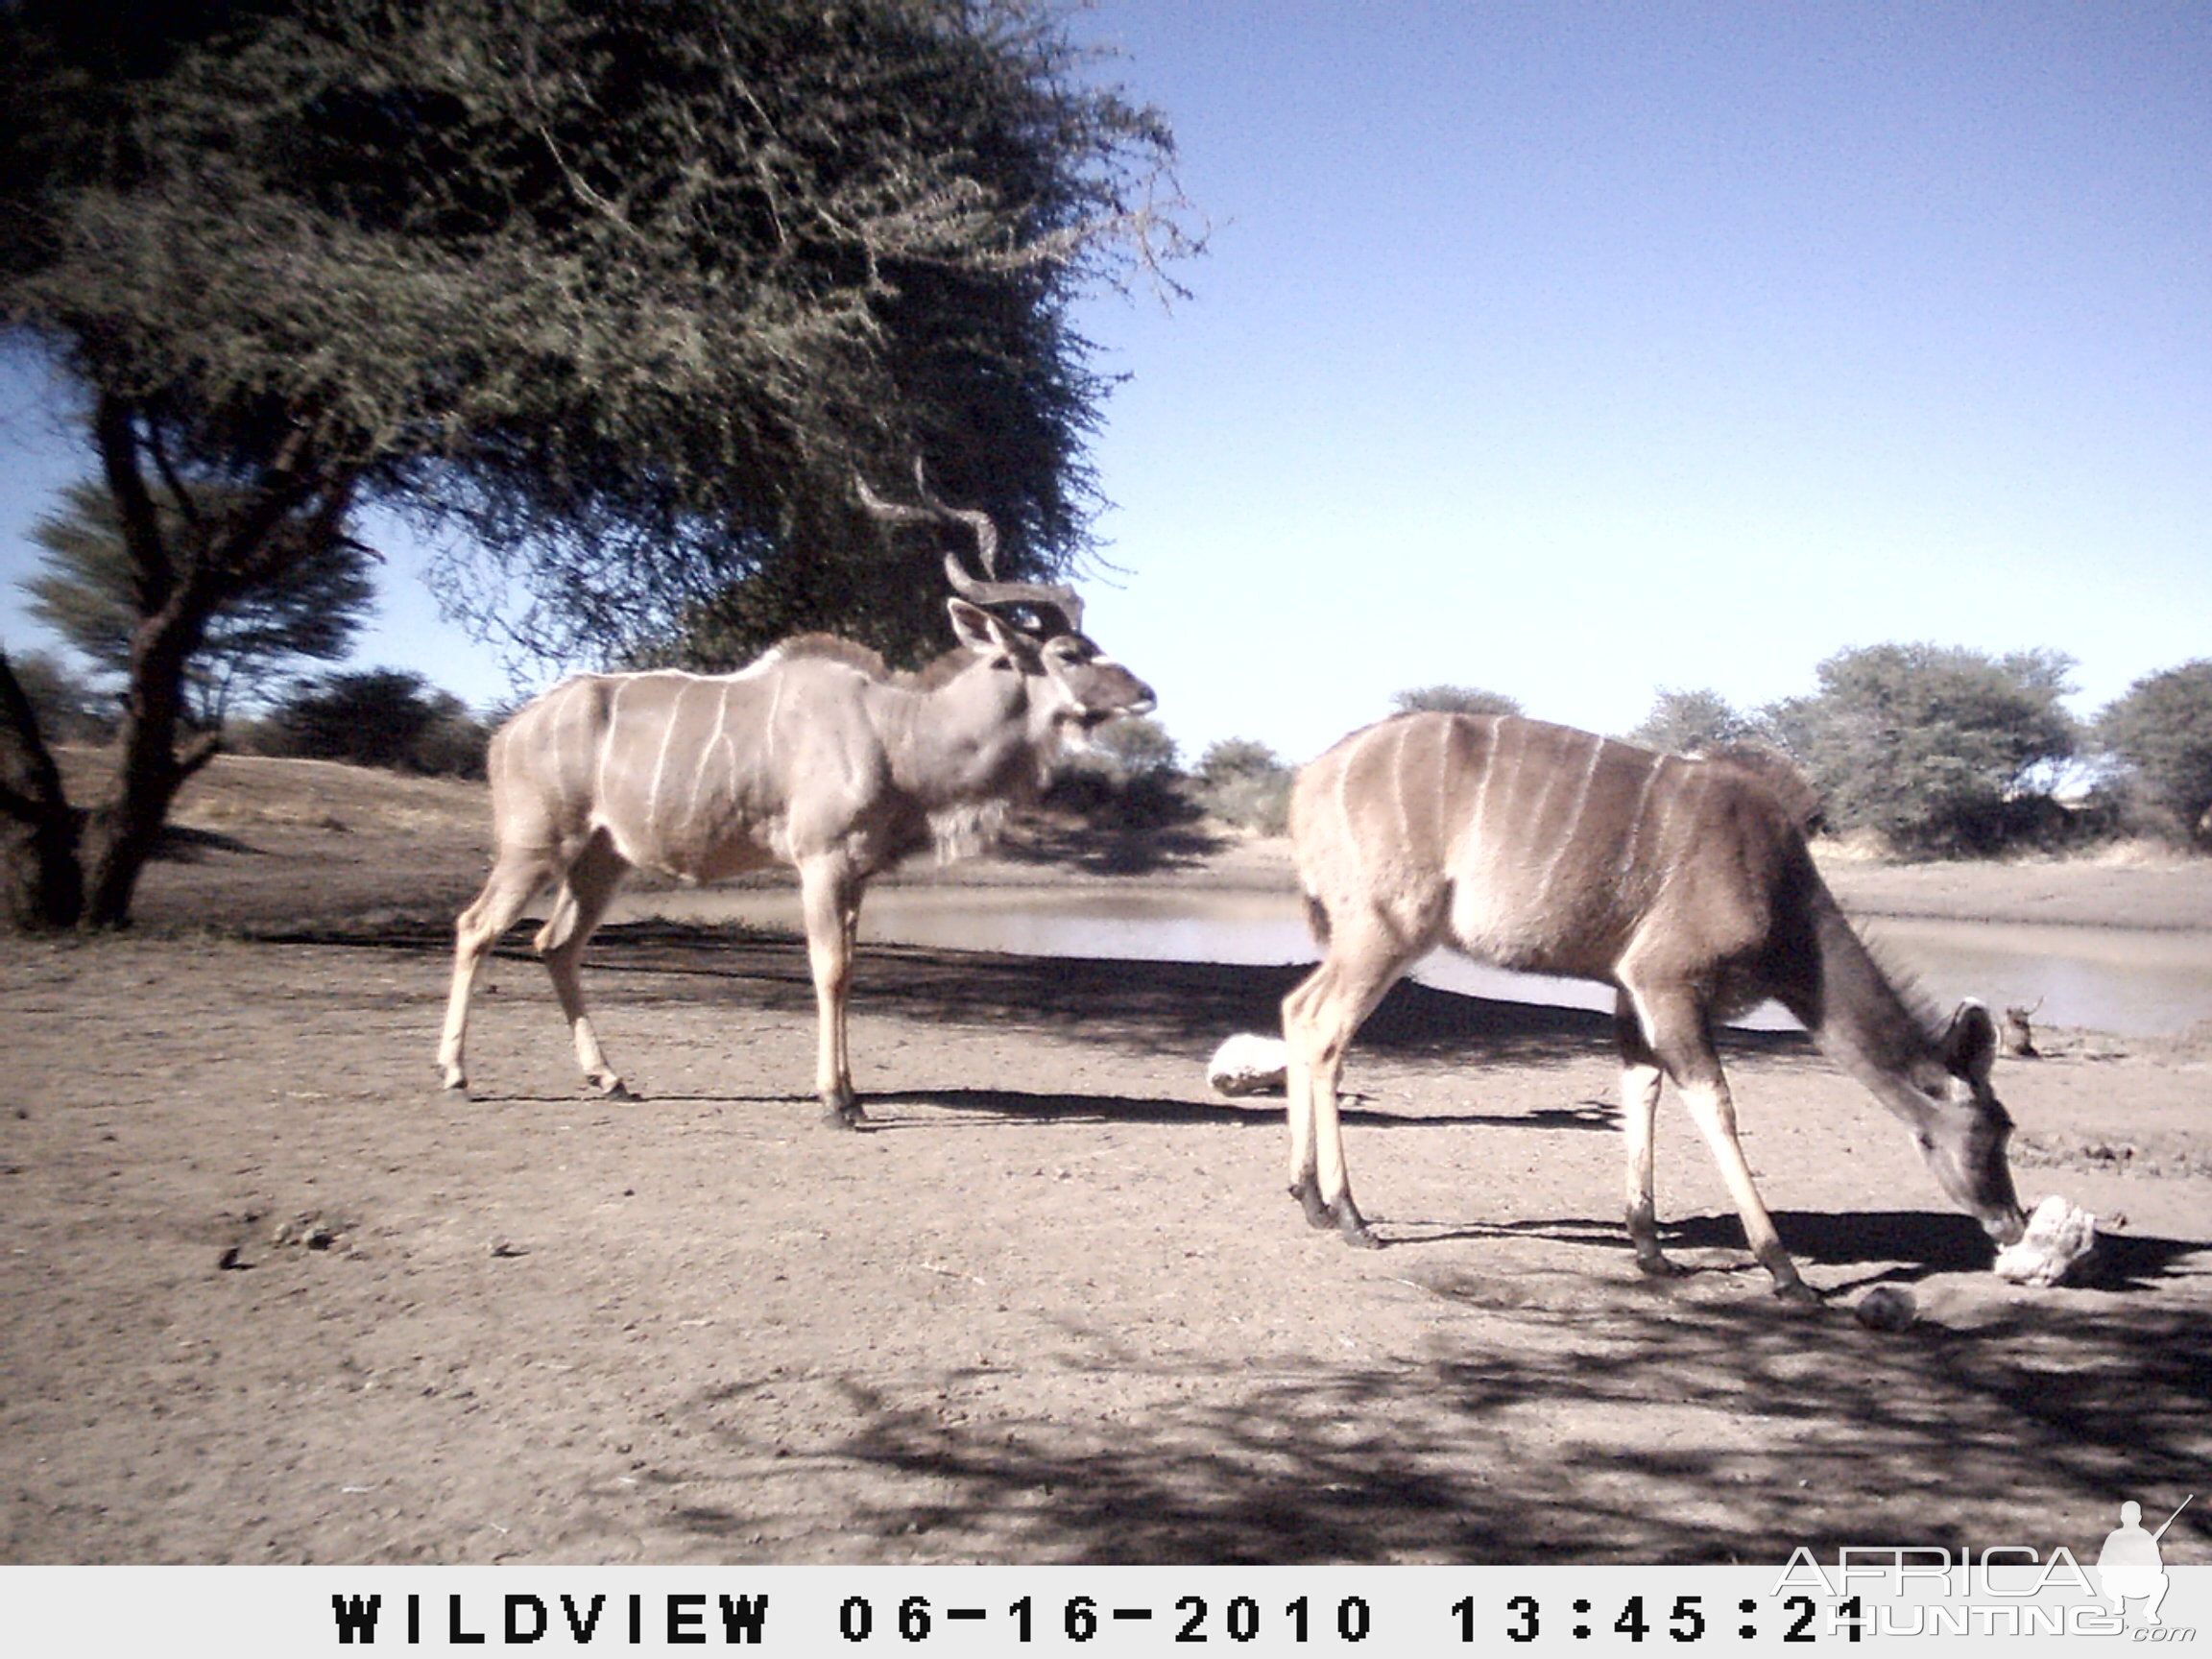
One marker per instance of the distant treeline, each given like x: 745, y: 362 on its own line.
x: 389, y: 717
x: 1937, y: 751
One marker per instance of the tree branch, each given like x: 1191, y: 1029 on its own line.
x: 187, y: 509
x: 115, y: 430
x: 196, y: 754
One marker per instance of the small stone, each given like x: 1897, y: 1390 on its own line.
x: 1886, y: 1307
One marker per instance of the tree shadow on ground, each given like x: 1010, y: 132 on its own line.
x: 179, y: 845
x: 1624, y: 1426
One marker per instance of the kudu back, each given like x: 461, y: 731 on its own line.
x: 1685, y: 883
x: 813, y: 757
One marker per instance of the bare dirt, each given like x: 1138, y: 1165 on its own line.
x: 267, y: 1295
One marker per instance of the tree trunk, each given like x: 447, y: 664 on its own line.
x: 41, y: 883
x: 175, y: 599
x: 125, y: 830
x: 177, y: 590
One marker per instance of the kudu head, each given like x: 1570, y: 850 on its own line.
x: 1963, y: 1131
x: 1047, y: 673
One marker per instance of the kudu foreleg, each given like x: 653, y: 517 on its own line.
x: 830, y: 897
x: 1674, y: 1027
x: 1640, y: 1077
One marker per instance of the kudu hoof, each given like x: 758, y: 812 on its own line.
x: 1796, y: 1293
x: 1351, y: 1226
x: 1656, y: 1266
x: 1342, y: 1215
x: 843, y: 1115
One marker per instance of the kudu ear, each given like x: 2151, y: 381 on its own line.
x: 1970, y: 1044
x: 980, y: 631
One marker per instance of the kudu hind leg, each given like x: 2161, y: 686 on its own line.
x: 593, y: 879
x: 1320, y: 1018
x: 1675, y: 1026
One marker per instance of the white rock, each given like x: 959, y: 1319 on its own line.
x: 1249, y: 1064
x: 2059, y: 1242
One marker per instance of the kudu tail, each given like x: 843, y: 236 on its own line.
x: 560, y: 926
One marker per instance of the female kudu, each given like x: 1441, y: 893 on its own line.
x: 1684, y: 883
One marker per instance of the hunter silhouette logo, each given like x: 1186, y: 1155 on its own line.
x: 2129, y: 1565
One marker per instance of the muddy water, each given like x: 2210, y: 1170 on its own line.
x: 2125, y: 980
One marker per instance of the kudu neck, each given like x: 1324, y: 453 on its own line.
x: 962, y: 740
x: 1862, y: 1020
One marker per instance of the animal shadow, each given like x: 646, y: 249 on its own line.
x: 1016, y: 1105
x: 1933, y: 1241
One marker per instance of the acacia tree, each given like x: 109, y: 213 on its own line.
x: 1454, y: 700
x: 390, y: 717
x: 1688, y: 722
x: 1244, y: 781
x: 1941, y: 749
x: 2162, y: 732
x: 312, y: 606
x: 610, y: 298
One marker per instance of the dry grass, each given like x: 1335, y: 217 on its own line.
x: 235, y: 791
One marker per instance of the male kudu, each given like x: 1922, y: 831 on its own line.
x: 1684, y: 883
x: 813, y: 757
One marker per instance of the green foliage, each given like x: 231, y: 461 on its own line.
x: 613, y: 299
x: 1687, y: 722
x: 1243, y: 781
x: 2162, y: 730
x: 627, y: 293
x: 311, y: 603
x: 1942, y: 750
x: 1134, y: 746
x: 380, y: 717
x: 1454, y: 700
x: 1126, y: 779
x: 1227, y: 758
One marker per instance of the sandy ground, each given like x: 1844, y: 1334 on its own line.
x: 267, y: 1295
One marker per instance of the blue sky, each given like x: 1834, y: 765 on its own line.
x: 1572, y: 351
